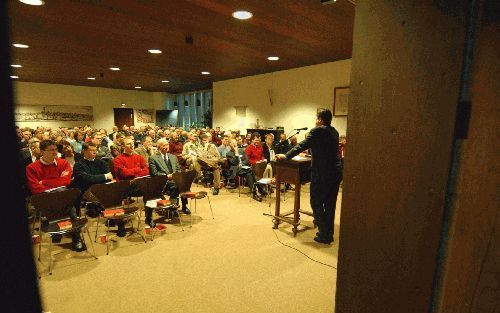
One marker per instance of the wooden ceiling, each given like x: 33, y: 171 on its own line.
x: 71, y: 40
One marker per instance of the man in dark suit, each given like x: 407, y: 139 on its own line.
x: 29, y: 155
x: 326, y: 172
x: 164, y: 163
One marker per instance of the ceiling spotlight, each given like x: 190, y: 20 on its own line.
x: 91, y: 78
x: 273, y: 58
x: 16, y: 65
x: 164, y: 81
x: 242, y: 15
x: 32, y: 2
x: 20, y: 45
x: 137, y: 87
x: 205, y: 73
x: 154, y: 51
x: 114, y: 68
x: 13, y: 76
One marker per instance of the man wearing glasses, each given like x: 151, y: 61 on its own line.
x: 51, y: 172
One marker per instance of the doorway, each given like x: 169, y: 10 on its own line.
x: 123, y: 117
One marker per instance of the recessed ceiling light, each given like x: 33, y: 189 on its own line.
x: 164, y: 81
x: 154, y: 51
x: 205, y: 73
x: 20, y: 45
x: 137, y: 87
x: 91, y: 78
x: 16, y: 65
x: 273, y: 58
x: 242, y: 15
x: 32, y: 2
x: 13, y: 76
x: 114, y: 68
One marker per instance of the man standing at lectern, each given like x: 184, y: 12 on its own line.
x: 326, y: 172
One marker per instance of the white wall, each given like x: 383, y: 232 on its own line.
x: 103, y: 101
x: 296, y: 94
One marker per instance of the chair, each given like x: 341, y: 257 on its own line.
x: 110, y: 196
x: 152, y: 188
x: 183, y: 181
x: 56, y: 208
x: 258, y: 170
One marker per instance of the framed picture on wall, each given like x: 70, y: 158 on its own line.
x: 341, y: 100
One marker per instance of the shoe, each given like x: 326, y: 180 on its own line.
x: 186, y: 210
x: 323, y: 240
x: 174, y: 213
x: 263, y: 192
x: 56, y: 238
x: 215, y: 191
x: 121, y: 229
x: 78, y: 245
x: 150, y: 222
x: 256, y: 197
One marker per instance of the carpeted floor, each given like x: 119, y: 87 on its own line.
x: 234, y: 263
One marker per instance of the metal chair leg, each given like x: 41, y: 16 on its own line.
x: 210, y: 205
x: 91, y: 243
x: 40, y: 244
x: 97, y: 228
x: 50, y: 257
x: 107, y: 239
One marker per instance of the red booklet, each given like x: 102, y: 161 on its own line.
x: 64, y: 225
x: 162, y: 202
x: 115, y: 212
x: 190, y: 194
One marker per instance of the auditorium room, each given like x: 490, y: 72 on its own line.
x: 250, y: 156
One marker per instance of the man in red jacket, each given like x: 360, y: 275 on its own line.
x: 52, y: 172
x: 129, y: 165
x: 254, y: 150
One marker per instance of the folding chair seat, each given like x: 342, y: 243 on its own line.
x: 111, y: 196
x: 56, y: 208
x: 183, y: 181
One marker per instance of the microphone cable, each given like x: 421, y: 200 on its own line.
x: 293, y: 248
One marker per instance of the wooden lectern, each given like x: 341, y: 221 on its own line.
x: 292, y: 172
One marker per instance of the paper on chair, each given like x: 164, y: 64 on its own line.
x: 265, y: 181
x: 299, y: 158
x: 152, y: 203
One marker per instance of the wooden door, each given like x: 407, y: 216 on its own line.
x: 123, y: 117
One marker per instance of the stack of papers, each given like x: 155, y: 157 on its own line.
x: 265, y: 181
x: 299, y: 158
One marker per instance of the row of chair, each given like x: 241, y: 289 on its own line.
x: 56, y: 207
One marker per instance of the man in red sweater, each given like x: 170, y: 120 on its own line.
x: 129, y: 165
x: 51, y: 172
x: 254, y: 150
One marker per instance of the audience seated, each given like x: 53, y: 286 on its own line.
x: 50, y: 172
x: 224, y: 148
x: 254, y: 150
x: 164, y: 163
x: 190, y: 153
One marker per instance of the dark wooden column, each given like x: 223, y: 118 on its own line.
x: 406, y: 69
x: 471, y: 278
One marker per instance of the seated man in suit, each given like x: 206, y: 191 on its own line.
x: 102, y: 149
x: 164, y: 163
x: 239, y: 166
x: 51, y: 172
x: 146, y: 148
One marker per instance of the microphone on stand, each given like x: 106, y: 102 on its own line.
x: 303, y: 128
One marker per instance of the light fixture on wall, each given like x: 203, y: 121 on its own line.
x: 123, y: 104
